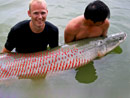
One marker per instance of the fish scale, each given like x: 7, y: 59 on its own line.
x: 72, y: 55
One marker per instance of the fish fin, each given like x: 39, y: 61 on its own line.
x: 32, y: 76
x: 100, y: 54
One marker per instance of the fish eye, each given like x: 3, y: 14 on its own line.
x: 101, y: 41
x: 120, y: 38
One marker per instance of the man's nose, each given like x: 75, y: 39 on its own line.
x: 40, y: 16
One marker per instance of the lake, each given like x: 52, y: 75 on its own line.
x: 107, y: 77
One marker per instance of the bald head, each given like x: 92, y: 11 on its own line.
x: 38, y: 1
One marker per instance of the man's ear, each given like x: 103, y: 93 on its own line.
x: 29, y: 13
x: 47, y: 12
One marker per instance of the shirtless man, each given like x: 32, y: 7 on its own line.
x: 93, y: 23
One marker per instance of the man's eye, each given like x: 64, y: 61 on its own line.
x: 36, y: 13
x: 42, y: 13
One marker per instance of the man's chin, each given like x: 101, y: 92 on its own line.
x: 40, y: 26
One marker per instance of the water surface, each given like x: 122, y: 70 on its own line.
x: 107, y: 77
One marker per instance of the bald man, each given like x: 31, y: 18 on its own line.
x: 35, y: 34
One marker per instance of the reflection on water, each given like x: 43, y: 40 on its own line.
x: 86, y: 74
x: 117, y: 50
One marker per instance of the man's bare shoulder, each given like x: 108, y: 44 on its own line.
x: 106, y: 23
x: 75, y: 23
x: 105, y: 27
x: 77, y: 20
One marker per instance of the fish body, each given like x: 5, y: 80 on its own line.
x: 68, y: 56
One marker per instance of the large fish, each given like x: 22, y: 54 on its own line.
x: 72, y: 55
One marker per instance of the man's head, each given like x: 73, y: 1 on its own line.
x: 38, y: 1
x: 97, y: 11
x: 38, y: 12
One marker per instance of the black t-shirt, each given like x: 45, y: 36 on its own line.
x: 24, y: 40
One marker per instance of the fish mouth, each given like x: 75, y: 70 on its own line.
x: 124, y: 37
x: 120, y: 36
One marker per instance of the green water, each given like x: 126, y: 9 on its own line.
x: 107, y: 77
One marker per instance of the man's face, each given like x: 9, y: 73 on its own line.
x: 98, y: 23
x: 38, y: 13
x: 91, y: 23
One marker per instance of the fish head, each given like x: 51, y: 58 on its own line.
x: 114, y: 40
x: 120, y: 37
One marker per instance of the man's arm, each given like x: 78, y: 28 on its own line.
x: 69, y: 33
x: 68, y: 36
x: 4, y: 50
x: 10, y: 42
x: 54, y: 38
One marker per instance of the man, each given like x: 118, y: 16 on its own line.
x: 33, y: 35
x: 93, y: 23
